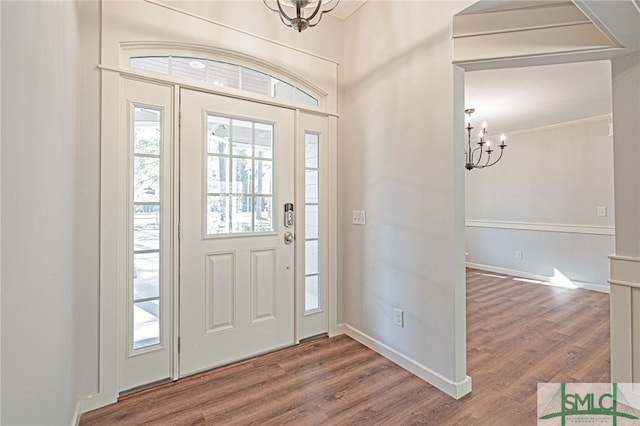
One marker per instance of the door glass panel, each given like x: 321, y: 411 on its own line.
x: 311, y: 151
x: 146, y: 275
x: 311, y: 257
x: 263, y: 140
x: 146, y: 329
x: 217, y: 214
x: 241, y: 213
x: 217, y: 177
x: 311, y: 223
x: 146, y: 178
x: 239, y: 176
x: 311, y: 186
x: 242, y: 138
x: 311, y: 289
x: 145, y: 256
x: 146, y: 227
x: 263, y: 177
x: 263, y: 209
x: 218, y: 129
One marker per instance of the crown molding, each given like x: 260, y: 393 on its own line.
x: 347, y: 8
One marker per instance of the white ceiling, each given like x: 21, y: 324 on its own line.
x: 346, y: 8
x: 525, y: 98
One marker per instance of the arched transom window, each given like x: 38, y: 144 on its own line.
x: 219, y: 73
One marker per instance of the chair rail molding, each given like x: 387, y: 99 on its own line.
x: 544, y: 227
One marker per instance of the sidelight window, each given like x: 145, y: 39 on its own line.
x: 312, y: 222
x: 146, y: 227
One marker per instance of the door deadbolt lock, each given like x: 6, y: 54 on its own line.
x: 288, y: 215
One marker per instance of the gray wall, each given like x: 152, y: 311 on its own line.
x: 396, y: 161
x: 39, y: 104
x: 88, y: 208
x: 555, y: 177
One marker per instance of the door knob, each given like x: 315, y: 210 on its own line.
x: 289, y: 237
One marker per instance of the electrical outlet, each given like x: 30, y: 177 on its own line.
x: 519, y: 254
x: 601, y: 211
x: 398, y: 317
x: 359, y: 217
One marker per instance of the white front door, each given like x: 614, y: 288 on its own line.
x: 236, y: 252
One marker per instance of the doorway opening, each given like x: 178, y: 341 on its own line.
x: 545, y: 211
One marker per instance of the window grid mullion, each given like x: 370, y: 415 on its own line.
x: 249, y: 194
x: 146, y: 299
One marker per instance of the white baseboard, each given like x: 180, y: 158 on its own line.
x: 453, y: 389
x: 602, y: 288
x: 95, y: 401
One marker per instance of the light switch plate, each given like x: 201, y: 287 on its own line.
x: 359, y: 217
x: 398, y: 317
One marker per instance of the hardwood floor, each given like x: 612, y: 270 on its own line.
x: 518, y: 334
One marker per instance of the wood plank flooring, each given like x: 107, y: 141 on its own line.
x: 518, y: 334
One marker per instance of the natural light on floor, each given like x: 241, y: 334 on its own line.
x: 557, y: 280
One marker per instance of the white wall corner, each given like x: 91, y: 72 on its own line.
x: 454, y: 389
x: 75, y: 419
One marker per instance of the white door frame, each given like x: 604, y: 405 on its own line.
x: 626, y: 30
x: 123, y: 33
x: 114, y: 160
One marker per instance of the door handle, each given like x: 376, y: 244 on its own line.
x: 289, y: 238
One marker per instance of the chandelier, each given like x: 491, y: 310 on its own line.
x: 307, y: 12
x: 469, y: 154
